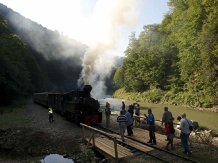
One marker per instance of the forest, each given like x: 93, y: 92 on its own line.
x: 174, y: 62
x: 35, y: 59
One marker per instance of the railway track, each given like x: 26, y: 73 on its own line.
x: 158, y: 153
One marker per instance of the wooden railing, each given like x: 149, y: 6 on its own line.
x: 92, y: 137
x: 143, y: 117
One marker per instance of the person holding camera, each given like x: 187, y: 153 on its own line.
x: 151, y: 124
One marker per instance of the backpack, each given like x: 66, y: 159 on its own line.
x: 190, y: 127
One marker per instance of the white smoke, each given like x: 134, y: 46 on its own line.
x: 114, y: 17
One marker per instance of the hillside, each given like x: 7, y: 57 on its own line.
x: 51, y: 61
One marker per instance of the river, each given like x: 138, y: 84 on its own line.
x: 205, y: 119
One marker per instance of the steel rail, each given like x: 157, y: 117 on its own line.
x: 152, y: 146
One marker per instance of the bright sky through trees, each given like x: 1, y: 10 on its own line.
x: 86, y: 20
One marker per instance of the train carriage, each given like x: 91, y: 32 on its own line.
x: 54, y: 99
x: 41, y: 98
x: 77, y: 105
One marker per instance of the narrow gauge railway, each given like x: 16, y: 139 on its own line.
x: 160, y: 154
x: 76, y: 105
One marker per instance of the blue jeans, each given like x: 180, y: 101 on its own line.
x: 184, y: 140
x: 152, y: 135
x: 129, y: 130
x: 122, y: 131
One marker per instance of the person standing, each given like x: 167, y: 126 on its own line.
x: 122, y: 120
x: 123, y: 107
x: 129, y: 123
x: 185, y: 132
x: 166, y: 116
x: 151, y: 124
x: 178, y: 127
x: 137, y: 112
x: 107, y: 114
x: 169, y: 131
x: 131, y: 111
x: 50, y: 114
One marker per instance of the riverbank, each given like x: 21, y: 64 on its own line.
x: 204, y: 117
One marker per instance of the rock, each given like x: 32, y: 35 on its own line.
x: 66, y: 156
x: 215, y: 141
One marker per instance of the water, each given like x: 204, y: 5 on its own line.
x: 56, y: 158
x: 115, y: 103
x: 205, y: 119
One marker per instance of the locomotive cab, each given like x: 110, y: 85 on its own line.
x: 80, y: 107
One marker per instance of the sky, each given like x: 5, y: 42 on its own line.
x: 104, y: 25
x: 84, y: 20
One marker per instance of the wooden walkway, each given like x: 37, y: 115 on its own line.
x: 107, y: 146
x: 107, y: 143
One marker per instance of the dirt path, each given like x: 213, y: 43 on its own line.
x: 41, y: 138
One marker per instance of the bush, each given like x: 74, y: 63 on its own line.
x: 87, y: 155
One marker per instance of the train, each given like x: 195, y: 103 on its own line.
x: 76, y: 105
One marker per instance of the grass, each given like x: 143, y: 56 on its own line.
x: 14, y: 116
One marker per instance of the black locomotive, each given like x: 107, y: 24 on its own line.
x: 77, y: 105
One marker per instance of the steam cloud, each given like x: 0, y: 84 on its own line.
x: 116, y: 17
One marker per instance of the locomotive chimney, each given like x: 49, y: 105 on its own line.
x: 87, y: 89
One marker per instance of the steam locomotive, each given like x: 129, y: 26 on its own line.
x: 76, y: 105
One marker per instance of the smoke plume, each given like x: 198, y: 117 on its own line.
x: 116, y: 17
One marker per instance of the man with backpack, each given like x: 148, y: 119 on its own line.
x: 185, y: 124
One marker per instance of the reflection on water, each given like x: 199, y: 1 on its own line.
x: 56, y: 158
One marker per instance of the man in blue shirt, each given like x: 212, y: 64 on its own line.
x: 151, y: 125
x: 129, y: 123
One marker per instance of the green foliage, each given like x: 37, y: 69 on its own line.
x: 15, y: 81
x: 39, y: 60
x: 87, y: 155
x: 152, y: 95
x: 179, y: 57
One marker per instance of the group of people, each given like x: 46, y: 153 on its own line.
x: 184, y: 126
x: 125, y: 121
x: 133, y: 108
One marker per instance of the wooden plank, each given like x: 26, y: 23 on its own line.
x: 143, y: 136
x: 139, y: 146
x: 108, y: 142
x: 107, y: 146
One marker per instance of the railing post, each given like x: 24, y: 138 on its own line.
x: 115, y: 149
x: 93, y: 138
x: 83, y: 132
